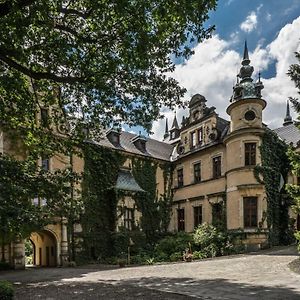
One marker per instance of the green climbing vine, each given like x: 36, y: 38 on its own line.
x: 100, y: 200
x: 155, y: 208
x: 274, y: 167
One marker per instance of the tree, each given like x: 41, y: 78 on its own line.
x: 294, y: 156
x: 104, y: 61
x: 20, y: 184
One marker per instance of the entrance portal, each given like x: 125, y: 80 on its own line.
x: 44, y: 248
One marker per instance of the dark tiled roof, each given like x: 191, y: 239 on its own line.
x: 126, y: 182
x: 290, y: 134
x: 154, y: 148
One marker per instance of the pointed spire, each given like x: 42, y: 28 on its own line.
x: 246, y: 55
x: 166, y: 135
x: 167, y: 127
x: 175, y: 123
x: 288, y: 119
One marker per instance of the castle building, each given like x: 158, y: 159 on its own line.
x: 212, y: 161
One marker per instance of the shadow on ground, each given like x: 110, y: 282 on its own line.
x: 154, y: 288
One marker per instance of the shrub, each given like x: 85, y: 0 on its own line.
x: 211, y: 241
x: 199, y: 255
x: 6, y: 290
x: 176, y: 256
x: 122, y: 239
x: 173, y: 243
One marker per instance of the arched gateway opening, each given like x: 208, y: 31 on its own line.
x: 44, y: 248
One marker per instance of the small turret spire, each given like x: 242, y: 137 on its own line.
x: 246, y: 54
x: 175, y: 123
x: 166, y: 135
x: 288, y: 119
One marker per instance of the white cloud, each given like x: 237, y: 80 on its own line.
x: 250, y: 23
x: 212, y: 70
x: 268, y: 17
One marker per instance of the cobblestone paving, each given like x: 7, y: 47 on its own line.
x: 263, y: 275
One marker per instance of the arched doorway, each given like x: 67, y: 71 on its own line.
x: 45, y: 248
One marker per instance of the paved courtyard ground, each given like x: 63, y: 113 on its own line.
x: 263, y: 275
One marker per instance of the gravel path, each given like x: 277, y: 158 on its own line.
x: 263, y: 275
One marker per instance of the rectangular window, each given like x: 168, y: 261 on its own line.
x: 250, y: 211
x: 180, y: 177
x: 250, y: 154
x: 200, y: 135
x: 197, y: 215
x: 217, y: 167
x: 197, y: 172
x: 217, y: 214
x: 45, y: 163
x: 193, y: 139
x: 180, y: 219
x: 128, y: 218
x: 44, y: 117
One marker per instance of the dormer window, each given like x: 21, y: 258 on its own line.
x: 140, y: 143
x: 113, y: 136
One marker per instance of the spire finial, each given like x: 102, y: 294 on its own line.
x: 288, y: 119
x: 246, y: 59
x: 175, y: 123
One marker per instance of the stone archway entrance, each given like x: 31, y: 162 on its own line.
x: 45, y: 248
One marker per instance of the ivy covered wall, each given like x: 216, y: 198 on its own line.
x: 100, y: 198
x: 273, y: 173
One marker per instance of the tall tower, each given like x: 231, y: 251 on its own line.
x: 247, y: 104
x: 245, y: 196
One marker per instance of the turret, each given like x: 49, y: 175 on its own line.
x: 166, y: 135
x: 247, y: 104
x: 174, y: 131
x: 288, y: 119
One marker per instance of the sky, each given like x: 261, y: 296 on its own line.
x: 272, y: 31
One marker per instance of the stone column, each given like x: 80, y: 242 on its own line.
x: 19, y: 254
x: 64, y: 243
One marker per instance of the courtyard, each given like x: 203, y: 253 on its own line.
x: 261, y: 275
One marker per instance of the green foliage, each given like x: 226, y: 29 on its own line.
x: 103, y: 60
x: 122, y: 238
x: 6, y: 290
x: 275, y: 164
x: 176, y: 256
x: 100, y: 200
x: 155, y: 208
x: 176, y: 243
x: 210, y: 240
x: 294, y: 156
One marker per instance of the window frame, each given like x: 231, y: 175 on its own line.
x: 180, y: 219
x: 198, y: 217
x: 46, y: 159
x: 44, y: 113
x: 193, y: 137
x: 250, y: 153
x: 128, y: 218
x: 250, y: 211
x: 217, y: 171
x: 198, y: 178
x: 180, y: 178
